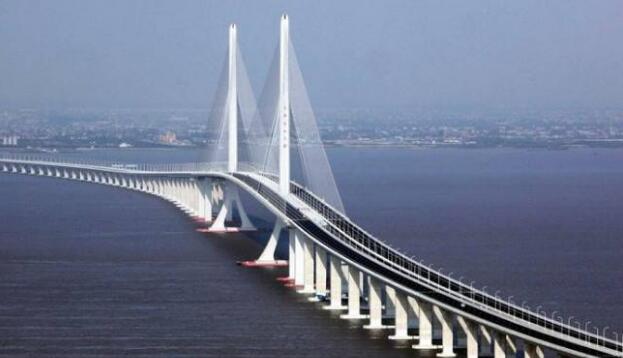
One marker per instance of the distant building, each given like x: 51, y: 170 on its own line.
x: 168, y: 138
x: 10, y: 141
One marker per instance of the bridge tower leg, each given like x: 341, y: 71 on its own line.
x: 284, y: 107
x: 232, y: 197
x: 268, y: 254
x: 267, y: 258
x: 232, y: 103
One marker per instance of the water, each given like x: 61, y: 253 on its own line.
x: 88, y: 269
x: 542, y: 226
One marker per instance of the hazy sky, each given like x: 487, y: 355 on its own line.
x: 163, y: 54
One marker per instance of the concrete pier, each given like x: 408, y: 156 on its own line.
x: 354, y: 295
x: 335, y: 279
x: 447, y: 333
x: 401, y: 316
x: 425, y: 327
x: 321, y: 272
x: 308, y: 266
x: 375, y: 304
x: 532, y: 350
x: 471, y: 336
x: 499, y: 345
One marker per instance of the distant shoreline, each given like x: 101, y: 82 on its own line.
x: 544, y: 146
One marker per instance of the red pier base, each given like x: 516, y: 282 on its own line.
x: 253, y: 263
x: 285, y: 279
x: 226, y: 230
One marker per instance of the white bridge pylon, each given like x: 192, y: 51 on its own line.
x: 232, y: 196
x: 231, y: 116
x: 267, y: 257
x: 265, y: 139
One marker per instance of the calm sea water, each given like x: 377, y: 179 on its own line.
x: 87, y: 269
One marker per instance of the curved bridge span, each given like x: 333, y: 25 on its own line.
x: 327, y: 251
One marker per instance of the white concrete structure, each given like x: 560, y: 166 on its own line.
x: 335, y: 284
x: 232, y: 102
x: 317, y: 231
x: 232, y: 196
x: 284, y: 107
x: 375, y: 304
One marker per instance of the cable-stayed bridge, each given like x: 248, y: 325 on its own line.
x: 271, y: 149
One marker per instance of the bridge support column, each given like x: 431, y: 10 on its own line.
x: 425, y: 326
x: 499, y: 345
x: 232, y: 197
x: 321, y: 273
x: 178, y: 190
x: 485, y: 336
x: 354, y: 295
x: 308, y: 266
x: 291, y: 254
x: 299, y: 257
x: 447, y: 335
x: 471, y: 336
x: 375, y: 304
x: 160, y: 188
x: 267, y: 257
x: 335, y: 282
x: 196, y: 202
x: 401, y: 320
x: 184, y: 196
x: 531, y: 350
x: 205, y: 205
x: 163, y: 190
x: 510, y: 345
